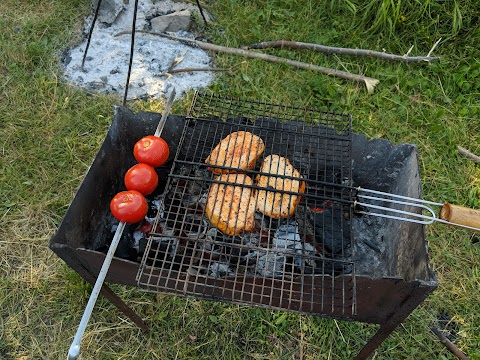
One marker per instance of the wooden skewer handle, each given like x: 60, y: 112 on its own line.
x: 460, y: 215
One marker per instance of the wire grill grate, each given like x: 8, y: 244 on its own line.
x: 301, y: 262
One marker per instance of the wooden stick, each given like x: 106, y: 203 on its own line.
x: 368, y: 81
x: 434, y: 46
x: 464, y: 152
x: 450, y: 346
x: 174, y: 71
x: 342, y: 51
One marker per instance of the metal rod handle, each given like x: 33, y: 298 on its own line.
x: 450, y: 346
x: 391, y: 201
x: 412, y: 201
x: 163, y: 120
x: 416, y: 218
x: 74, y: 350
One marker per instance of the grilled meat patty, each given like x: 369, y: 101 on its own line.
x: 231, y: 207
x: 238, y: 151
x: 274, y: 202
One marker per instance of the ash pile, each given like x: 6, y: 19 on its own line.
x: 106, y: 64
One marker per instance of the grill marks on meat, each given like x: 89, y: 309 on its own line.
x: 273, y: 202
x: 239, y: 151
x: 231, y: 207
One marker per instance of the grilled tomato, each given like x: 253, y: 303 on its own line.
x: 151, y: 150
x: 141, y: 177
x: 129, y: 206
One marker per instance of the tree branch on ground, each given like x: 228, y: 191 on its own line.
x: 368, y: 81
x: 469, y: 155
x: 176, y: 71
x: 343, y: 51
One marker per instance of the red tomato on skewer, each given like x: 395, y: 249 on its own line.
x: 151, y: 150
x: 129, y: 206
x: 141, y: 177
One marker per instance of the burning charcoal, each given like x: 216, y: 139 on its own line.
x: 173, y: 208
x: 234, y: 255
x: 271, y: 264
x: 197, y: 270
x: 202, y: 200
x: 301, y: 256
x: 217, y: 269
x: 142, y: 232
x: 248, y: 239
x: 250, y: 259
x: 211, y: 255
x: 197, y: 187
x: 164, y: 229
x: 125, y: 249
x: 213, y: 234
x: 211, y: 250
x: 142, y: 244
x: 305, y: 226
x: 146, y: 228
x: 286, y: 237
x: 171, y: 245
x: 153, y: 207
x: 191, y: 201
x: 333, y: 268
x: 137, y: 235
x: 195, y: 227
x: 331, y: 229
x: 309, y: 268
x: 261, y: 220
x: 163, y: 250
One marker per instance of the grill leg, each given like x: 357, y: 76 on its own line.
x: 124, y: 308
x: 116, y: 300
x: 376, y: 340
x: 414, y: 299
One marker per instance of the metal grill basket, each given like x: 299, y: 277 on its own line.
x: 299, y: 263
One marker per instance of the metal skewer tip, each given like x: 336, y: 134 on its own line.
x: 163, y: 120
x: 74, y: 350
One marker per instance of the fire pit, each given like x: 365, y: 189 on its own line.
x: 323, y: 260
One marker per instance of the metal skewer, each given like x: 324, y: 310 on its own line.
x: 163, y: 120
x: 74, y: 350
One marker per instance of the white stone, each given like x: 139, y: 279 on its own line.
x: 109, y: 10
x: 177, y: 21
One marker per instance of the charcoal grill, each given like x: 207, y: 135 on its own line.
x: 331, y: 262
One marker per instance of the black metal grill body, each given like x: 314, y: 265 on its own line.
x: 386, y: 292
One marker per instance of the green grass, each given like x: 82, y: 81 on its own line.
x: 50, y: 133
